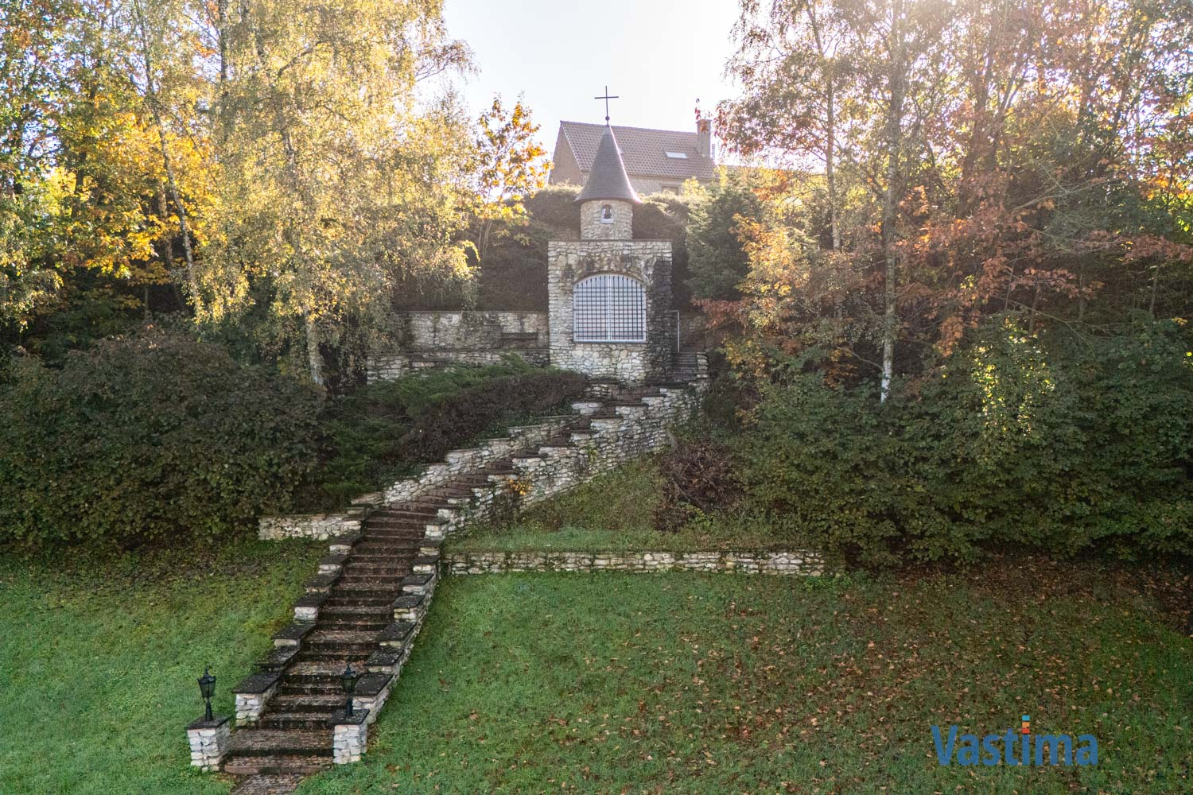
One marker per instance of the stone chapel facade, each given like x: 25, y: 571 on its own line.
x: 609, y: 302
x: 609, y: 295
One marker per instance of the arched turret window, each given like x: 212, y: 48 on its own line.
x: 606, y: 213
x: 609, y: 307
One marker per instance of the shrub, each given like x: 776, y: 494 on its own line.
x: 151, y: 439
x: 1057, y: 444
x: 383, y: 431
x: 698, y: 479
x: 456, y: 418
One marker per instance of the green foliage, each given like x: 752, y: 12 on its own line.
x: 385, y: 430
x: 1061, y: 444
x: 153, y: 439
x: 718, y: 260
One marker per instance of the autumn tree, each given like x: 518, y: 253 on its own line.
x: 990, y: 155
x: 510, y: 165
x: 333, y: 179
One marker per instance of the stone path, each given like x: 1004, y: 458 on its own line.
x: 364, y: 608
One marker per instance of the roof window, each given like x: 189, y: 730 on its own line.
x: 677, y: 155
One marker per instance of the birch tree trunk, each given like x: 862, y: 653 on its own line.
x: 894, y: 132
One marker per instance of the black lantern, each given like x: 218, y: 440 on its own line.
x: 348, y: 682
x: 207, y: 689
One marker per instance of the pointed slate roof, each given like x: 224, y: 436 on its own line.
x: 607, y: 179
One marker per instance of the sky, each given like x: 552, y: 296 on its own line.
x: 659, y: 56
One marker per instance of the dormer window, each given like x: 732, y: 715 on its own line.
x: 606, y: 213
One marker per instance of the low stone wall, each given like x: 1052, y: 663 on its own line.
x: 389, y: 367
x: 433, y: 339
x: 745, y: 562
x: 438, y: 331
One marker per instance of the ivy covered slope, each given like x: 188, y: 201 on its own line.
x: 386, y: 430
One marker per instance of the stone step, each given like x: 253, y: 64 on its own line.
x: 318, y: 671
x: 268, y: 742
x: 382, y: 568
x: 298, y: 721
x: 371, y: 585
x: 361, y: 598
x: 273, y: 766
x: 356, y: 576
x: 273, y: 782
x: 322, y: 638
x: 358, y: 655
x: 335, y: 608
x: 378, y: 549
x: 320, y: 688
x: 317, y: 704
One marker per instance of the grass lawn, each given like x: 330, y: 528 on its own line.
x: 721, y: 683
x: 98, y: 665
x: 614, y: 512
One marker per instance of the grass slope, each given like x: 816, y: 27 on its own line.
x: 613, y: 512
x: 716, y: 683
x: 98, y: 670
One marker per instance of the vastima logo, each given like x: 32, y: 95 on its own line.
x: 1014, y: 749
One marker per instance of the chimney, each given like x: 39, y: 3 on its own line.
x: 704, y: 137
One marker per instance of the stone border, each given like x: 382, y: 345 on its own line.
x: 785, y: 562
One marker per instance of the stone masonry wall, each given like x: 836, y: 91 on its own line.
x: 593, y: 228
x: 747, y: 562
x: 428, y: 339
x: 648, y: 261
x: 610, y: 442
x: 326, y: 526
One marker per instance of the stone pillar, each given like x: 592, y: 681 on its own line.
x: 252, y: 694
x: 209, y: 742
x: 351, y: 736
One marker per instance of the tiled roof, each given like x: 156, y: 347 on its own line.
x: 607, y: 179
x: 643, y: 151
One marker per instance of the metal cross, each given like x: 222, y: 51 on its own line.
x: 606, y: 98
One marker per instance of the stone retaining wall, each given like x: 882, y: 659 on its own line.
x: 746, y: 562
x: 612, y: 441
x: 432, y: 339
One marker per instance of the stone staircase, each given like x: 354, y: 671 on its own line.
x: 366, y: 606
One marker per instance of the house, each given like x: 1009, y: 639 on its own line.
x: 655, y: 160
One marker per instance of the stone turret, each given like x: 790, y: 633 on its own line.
x: 610, y: 295
x: 607, y: 200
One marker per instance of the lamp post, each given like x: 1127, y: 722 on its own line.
x: 348, y: 682
x: 207, y: 690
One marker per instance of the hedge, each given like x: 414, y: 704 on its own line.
x: 1060, y: 444
x: 150, y: 439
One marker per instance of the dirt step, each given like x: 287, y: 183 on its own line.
x: 266, y: 742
